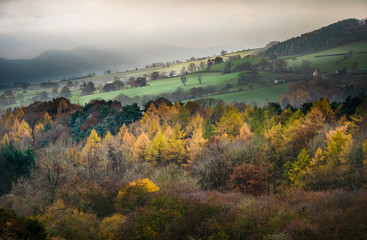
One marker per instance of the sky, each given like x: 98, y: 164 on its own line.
x: 29, y: 27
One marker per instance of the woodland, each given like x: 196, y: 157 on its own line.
x: 202, y: 169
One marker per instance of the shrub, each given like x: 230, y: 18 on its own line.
x: 135, y: 194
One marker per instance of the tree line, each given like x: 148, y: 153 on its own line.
x: 336, y: 34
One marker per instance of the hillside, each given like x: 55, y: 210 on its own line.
x: 263, y: 88
x: 237, y: 76
x: 58, y: 64
x: 336, y: 34
x: 257, y: 89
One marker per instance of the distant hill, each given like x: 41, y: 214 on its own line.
x: 336, y: 34
x: 269, y: 45
x: 57, y: 64
x: 50, y: 65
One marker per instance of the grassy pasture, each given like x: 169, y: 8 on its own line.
x: 260, y: 92
x: 259, y: 95
x: 329, y: 63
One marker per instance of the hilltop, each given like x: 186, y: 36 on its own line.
x: 331, y: 36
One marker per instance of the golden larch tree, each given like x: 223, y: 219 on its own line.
x: 195, y: 145
x: 89, y: 152
x: 138, y: 149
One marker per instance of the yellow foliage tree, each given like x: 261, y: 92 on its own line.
x: 38, y: 129
x: 135, y: 194
x: 144, y: 184
x: 329, y: 168
x: 313, y: 173
x: 152, y: 112
x: 21, y: 133
x: 82, y: 225
x: 104, y: 148
x: 165, y: 113
x: 5, y: 140
x: 110, y: 227
x: 123, y: 130
x: 9, y: 119
x: 176, y: 145
x: 157, y: 153
x: 248, y: 111
x: 19, y: 113
x: 138, y: 149
x: 90, y: 150
x: 195, y: 145
x: 153, y: 128
x: 230, y: 122
x: 73, y: 157
x: 46, y: 119
x: 194, y: 124
x: 245, y: 132
x: 168, y: 132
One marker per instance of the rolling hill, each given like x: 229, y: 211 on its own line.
x: 331, y: 36
x: 58, y: 64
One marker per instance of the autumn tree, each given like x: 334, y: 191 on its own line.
x: 135, y: 194
x: 110, y: 227
x: 195, y: 144
x: 296, y: 169
x: 21, y: 134
x: 245, y: 132
x: 75, y: 224
x: 89, y: 152
x: 194, y: 124
x: 105, y: 150
x: 138, y: 149
x: 51, y: 167
x: 157, y: 153
x: 249, y: 179
x: 328, y: 168
x: 230, y: 122
x: 176, y: 145
x: 215, y: 166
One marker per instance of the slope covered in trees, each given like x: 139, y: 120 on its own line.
x: 336, y: 34
x: 203, y: 170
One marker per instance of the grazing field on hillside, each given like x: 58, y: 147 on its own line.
x: 329, y: 62
x: 259, y: 88
x: 257, y: 96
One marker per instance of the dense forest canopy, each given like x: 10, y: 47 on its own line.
x: 203, y: 169
x: 336, y: 34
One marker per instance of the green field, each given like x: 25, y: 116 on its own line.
x: 258, y: 96
x: 261, y: 91
x: 329, y: 63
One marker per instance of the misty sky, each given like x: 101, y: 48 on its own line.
x: 29, y: 27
